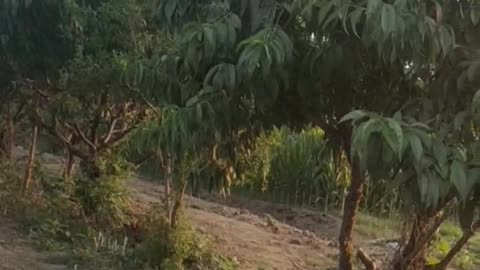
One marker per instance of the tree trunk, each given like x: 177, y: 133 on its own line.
x: 31, y: 158
x: 69, y: 164
x: 352, y: 202
x: 8, y: 140
x: 413, y: 254
x: 178, y: 203
x: 167, y: 199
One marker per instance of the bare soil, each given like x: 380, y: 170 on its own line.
x: 258, y: 235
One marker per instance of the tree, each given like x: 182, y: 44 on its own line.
x: 28, y: 50
x: 315, y: 61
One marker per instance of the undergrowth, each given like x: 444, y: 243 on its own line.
x: 118, y: 234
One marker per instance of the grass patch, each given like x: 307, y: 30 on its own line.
x: 372, y: 227
x: 467, y: 259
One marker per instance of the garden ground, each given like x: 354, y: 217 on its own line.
x: 256, y: 234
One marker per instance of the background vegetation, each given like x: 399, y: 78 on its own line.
x: 342, y: 104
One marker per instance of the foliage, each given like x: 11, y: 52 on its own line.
x: 293, y: 167
x: 180, y: 248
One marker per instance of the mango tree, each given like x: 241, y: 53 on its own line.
x: 314, y: 61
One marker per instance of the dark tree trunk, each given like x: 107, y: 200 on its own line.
x: 30, y: 162
x: 413, y: 254
x: 352, y: 202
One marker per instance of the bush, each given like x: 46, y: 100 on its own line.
x: 295, y: 168
x: 105, y: 200
x: 179, y: 248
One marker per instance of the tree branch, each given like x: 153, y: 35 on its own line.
x: 53, y: 131
x: 422, y: 243
x: 84, y: 138
x: 110, y: 130
x: 445, y: 262
x: 366, y: 260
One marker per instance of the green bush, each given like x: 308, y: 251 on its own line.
x: 293, y: 167
x: 179, y: 248
x: 105, y: 200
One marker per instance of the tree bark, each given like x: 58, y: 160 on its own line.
x: 31, y: 158
x: 413, y: 254
x: 69, y: 164
x: 366, y: 260
x: 352, y: 202
x: 178, y: 203
x: 168, y: 181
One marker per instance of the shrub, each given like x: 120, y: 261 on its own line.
x: 293, y: 167
x: 179, y: 248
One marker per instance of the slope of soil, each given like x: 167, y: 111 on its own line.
x: 258, y: 235
x: 255, y: 241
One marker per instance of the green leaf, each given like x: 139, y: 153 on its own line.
x: 393, y: 134
x: 170, y: 7
x: 472, y: 70
x: 400, y: 4
x: 445, y: 39
x: 355, y: 19
x: 473, y: 176
x: 458, y: 178
x: 322, y: 14
x: 231, y: 77
x: 354, y: 115
x: 416, y: 146
x: 476, y: 102
x: 388, y: 18
x: 423, y: 187
x: 210, y: 74
x: 209, y: 41
x: 439, y: 152
x: 372, y: 6
x: 474, y: 16
x: 459, y: 120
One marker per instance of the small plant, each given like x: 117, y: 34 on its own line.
x: 180, y: 247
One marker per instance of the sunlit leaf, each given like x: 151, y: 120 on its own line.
x: 354, y: 115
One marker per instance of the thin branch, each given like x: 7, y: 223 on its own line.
x: 96, y: 119
x: 84, y: 138
x: 445, y: 262
x: 149, y: 104
x: 143, y: 159
x: 53, y: 131
x: 110, y: 130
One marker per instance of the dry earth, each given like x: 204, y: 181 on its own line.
x: 258, y: 235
